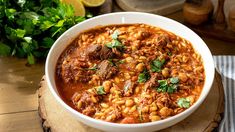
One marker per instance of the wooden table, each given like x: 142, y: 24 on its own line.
x: 19, y: 84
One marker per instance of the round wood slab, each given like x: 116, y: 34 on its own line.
x: 161, y: 7
x: 205, y: 118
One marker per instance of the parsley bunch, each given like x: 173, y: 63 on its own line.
x: 28, y: 28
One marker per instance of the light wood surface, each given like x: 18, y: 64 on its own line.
x: 204, y: 119
x: 19, y: 84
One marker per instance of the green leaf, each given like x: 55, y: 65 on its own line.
x: 20, y: 33
x: 100, y: 90
x: 94, y: 68
x: 172, y: 88
x: 89, y: 14
x: 165, y: 87
x: 21, y: 3
x: 143, y: 77
x: 114, y: 44
x: 174, y: 80
x: 156, y: 65
x: 28, y: 39
x: 169, y: 53
x: 10, y: 13
x: 46, y: 25
x: 183, y: 103
x: 47, y: 42
x: 5, y: 50
x: 115, y: 34
x: 31, y: 59
x: 162, y: 82
x: 60, y: 23
x: 26, y: 47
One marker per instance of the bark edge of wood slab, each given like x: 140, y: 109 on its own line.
x: 203, y: 119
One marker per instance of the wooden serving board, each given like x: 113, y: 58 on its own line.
x: 161, y: 7
x: 206, y: 118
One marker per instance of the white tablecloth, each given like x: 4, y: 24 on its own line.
x: 225, y: 65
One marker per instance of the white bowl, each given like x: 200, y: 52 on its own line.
x: 122, y: 18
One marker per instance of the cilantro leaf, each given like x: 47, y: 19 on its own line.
x: 115, y: 34
x: 114, y: 44
x: 93, y: 67
x: 144, y: 76
x: 100, y: 90
x: 183, y: 103
x: 164, y: 86
x: 174, y: 80
x: 156, y: 65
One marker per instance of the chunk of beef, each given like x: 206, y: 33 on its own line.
x: 152, y: 81
x: 92, y: 51
x: 74, y: 70
x: 106, y: 70
x: 144, y: 34
x: 163, y: 40
x: 129, y: 88
x: 98, y: 52
x: 163, y: 100
x: 105, y: 53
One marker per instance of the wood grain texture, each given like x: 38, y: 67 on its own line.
x: 18, y: 85
x: 20, y: 122
x: 161, y: 7
x: 205, y: 118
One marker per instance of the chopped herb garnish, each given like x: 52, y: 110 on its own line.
x: 100, y: 90
x: 171, y: 87
x: 169, y: 53
x: 121, y: 61
x: 93, y: 67
x: 127, y: 86
x: 144, y: 76
x: 115, y: 34
x: 115, y: 42
x: 183, y: 103
x: 174, y: 80
x: 111, y: 62
x: 156, y: 65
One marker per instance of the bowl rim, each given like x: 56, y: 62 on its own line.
x: 137, y: 125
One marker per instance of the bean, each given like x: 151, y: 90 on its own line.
x: 165, y: 72
x: 127, y: 76
x: 107, y: 86
x: 137, y: 90
x: 140, y: 67
x: 183, y: 77
x: 104, y: 105
x: 191, y: 98
x: 129, y: 103
x: 120, y: 102
x: 126, y: 110
x: 132, y: 109
x: 165, y: 111
x: 117, y: 80
x: 145, y: 109
x: 153, y: 108
x: 79, y: 104
x: 129, y: 59
x: 134, y: 78
x: 155, y: 118
x: 93, y: 99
